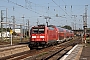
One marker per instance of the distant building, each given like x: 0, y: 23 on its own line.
x: 5, y: 34
x: 18, y: 30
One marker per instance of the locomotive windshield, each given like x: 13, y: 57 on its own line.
x: 38, y: 30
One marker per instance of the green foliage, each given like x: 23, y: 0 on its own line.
x: 14, y: 33
x: 4, y: 29
x: 67, y: 27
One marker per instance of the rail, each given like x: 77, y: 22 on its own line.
x: 6, y: 51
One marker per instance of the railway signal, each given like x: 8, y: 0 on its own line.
x: 11, y: 31
x: 85, y: 23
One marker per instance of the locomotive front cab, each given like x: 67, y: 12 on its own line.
x: 38, y: 36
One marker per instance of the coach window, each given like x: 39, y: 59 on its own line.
x: 41, y: 30
x: 35, y: 30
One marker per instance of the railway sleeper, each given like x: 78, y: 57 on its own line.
x: 54, y: 55
x: 49, y: 54
x: 59, y: 55
x: 13, y: 50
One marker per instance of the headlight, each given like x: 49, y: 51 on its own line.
x: 42, y: 37
x: 33, y: 36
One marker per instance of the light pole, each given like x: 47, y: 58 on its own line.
x: 24, y: 27
x: 75, y: 20
x: 28, y: 28
x: 84, y: 26
x: 6, y: 23
x: 13, y: 22
x: 2, y: 23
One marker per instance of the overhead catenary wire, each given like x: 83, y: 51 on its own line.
x: 29, y: 7
x: 23, y: 7
x: 63, y: 1
x: 34, y: 8
x: 60, y: 8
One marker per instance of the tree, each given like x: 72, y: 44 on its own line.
x: 67, y: 27
x: 14, y: 33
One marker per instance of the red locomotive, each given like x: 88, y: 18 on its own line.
x: 42, y: 35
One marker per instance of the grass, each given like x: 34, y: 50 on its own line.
x: 88, y: 38
x: 42, y: 54
x: 15, y: 40
x: 88, y: 41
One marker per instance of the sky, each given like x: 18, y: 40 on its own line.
x: 61, y: 12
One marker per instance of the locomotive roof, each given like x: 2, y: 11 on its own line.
x: 51, y: 25
x: 41, y: 25
x: 61, y: 29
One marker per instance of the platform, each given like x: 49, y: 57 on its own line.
x: 6, y: 51
x: 74, y: 53
x: 85, y: 55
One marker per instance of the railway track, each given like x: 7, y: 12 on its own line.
x: 55, y: 55
x: 11, y: 50
x: 50, y: 53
